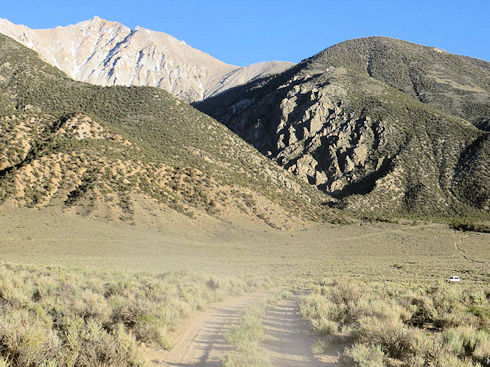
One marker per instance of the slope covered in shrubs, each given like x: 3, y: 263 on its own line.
x: 71, y: 144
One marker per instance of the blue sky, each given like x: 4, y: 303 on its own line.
x: 247, y: 31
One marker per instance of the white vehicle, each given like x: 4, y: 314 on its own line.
x: 452, y: 279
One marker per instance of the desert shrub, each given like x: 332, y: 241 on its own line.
x: 423, y: 311
x: 381, y: 309
x: 460, y: 315
x: 425, y: 348
x: 237, y: 359
x: 321, y: 312
x: 452, y: 361
x: 470, y: 226
x: 249, y: 331
x: 322, y: 346
x: 419, y: 325
x: 360, y: 355
x: 67, y: 317
x: 89, y: 305
x: 466, y: 341
x: 342, y: 305
x: 394, y: 338
x: 324, y: 326
x: 88, y: 343
x: 246, y: 336
x: 482, y: 351
x: 26, y: 341
x: 346, y: 295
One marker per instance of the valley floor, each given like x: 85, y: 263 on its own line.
x: 377, y: 251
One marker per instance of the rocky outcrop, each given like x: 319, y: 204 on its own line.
x: 108, y: 53
x: 309, y: 133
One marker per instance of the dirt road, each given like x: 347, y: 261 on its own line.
x: 288, y: 339
x: 287, y: 342
x: 202, y: 343
x: 462, y: 252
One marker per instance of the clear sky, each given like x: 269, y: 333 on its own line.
x: 241, y: 32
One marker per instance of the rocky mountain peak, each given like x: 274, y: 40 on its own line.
x: 105, y: 52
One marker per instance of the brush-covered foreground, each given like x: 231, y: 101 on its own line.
x: 41, y: 305
x: 402, y: 324
x: 54, y: 316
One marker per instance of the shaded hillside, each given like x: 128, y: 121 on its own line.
x: 117, y: 151
x: 361, y: 140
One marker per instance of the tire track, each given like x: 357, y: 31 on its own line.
x: 462, y: 252
x: 288, y: 338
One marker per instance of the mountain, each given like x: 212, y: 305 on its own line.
x: 108, y: 53
x: 456, y: 84
x: 383, y: 125
x: 129, y: 153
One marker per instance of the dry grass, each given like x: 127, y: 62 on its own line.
x: 378, y: 251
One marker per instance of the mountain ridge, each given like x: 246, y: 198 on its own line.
x: 362, y: 140
x: 104, y: 52
x: 457, y: 84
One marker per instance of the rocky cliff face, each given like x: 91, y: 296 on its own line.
x: 108, y: 53
x: 359, y: 139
